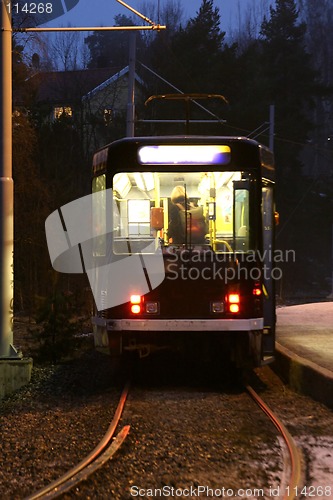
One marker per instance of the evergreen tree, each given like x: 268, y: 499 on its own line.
x: 31, y: 197
x: 197, y: 49
x: 288, y: 74
x: 290, y: 83
x: 245, y: 88
x: 191, y: 59
x: 318, y: 15
x: 110, y: 48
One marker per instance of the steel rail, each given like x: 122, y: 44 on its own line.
x: 294, y: 453
x: 53, y: 487
x: 92, y: 467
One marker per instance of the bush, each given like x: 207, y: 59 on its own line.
x: 58, y: 328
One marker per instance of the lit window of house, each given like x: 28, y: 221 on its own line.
x: 63, y: 110
x: 108, y: 116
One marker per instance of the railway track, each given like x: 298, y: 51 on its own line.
x: 293, y: 461
x: 105, y: 450
x: 291, y: 476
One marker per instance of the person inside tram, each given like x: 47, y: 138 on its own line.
x: 182, y: 209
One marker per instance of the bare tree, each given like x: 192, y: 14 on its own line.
x: 249, y: 21
x: 171, y: 14
x: 68, y: 50
x: 61, y: 51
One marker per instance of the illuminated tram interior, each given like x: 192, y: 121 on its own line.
x: 148, y: 205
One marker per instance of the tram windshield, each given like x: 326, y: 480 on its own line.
x: 181, y: 208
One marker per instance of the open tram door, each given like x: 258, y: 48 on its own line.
x: 268, y: 227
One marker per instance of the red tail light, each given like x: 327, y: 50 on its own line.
x: 233, y: 300
x: 135, y: 304
x: 234, y: 308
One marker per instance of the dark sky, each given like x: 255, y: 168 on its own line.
x: 101, y: 12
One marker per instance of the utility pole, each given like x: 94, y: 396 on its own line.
x: 6, y: 190
x: 330, y: 296
x: 131, y: 86
x: 271, y: 126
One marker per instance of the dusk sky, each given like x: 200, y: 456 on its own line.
x: 101, y: 12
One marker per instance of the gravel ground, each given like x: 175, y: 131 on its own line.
x: 186, y: 432
x: 195, y: 439
x: 52, y: 423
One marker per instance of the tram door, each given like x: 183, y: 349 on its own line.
x: 269, y: 284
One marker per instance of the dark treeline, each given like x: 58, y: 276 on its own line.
x: 283, y: 58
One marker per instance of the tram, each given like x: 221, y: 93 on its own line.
x: 183, y: 242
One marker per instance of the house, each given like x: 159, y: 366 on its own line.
x: 95, y: 99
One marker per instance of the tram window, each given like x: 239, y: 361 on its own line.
x: 138, y: 217
x: 221, y: 198
x: 241, y: 219
x: 99, y: 215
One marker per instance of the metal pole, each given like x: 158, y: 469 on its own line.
x: 155, y: 27
x: 330, y: 296
x: 6, y: 190
x: 271, y: 126
x: 131, y: 86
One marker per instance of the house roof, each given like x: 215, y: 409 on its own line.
x: 109, y: 81
x: 65, y: 87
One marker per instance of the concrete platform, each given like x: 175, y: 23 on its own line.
x: 304, y: 349
x: 14, y: 373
